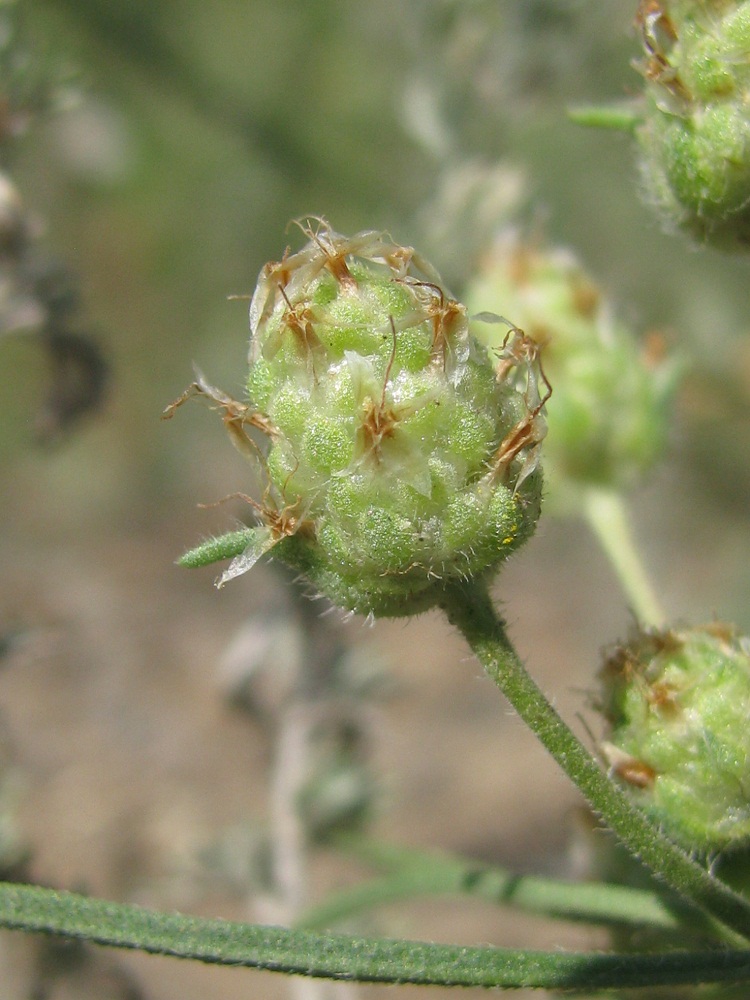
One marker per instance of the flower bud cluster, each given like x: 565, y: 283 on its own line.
x: 399, y: 455
x: 695, y: 136
x: 678, y: 702
x: 607, y: 419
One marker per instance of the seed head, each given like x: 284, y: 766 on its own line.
x: 677, y: 702
x: 399, y: 455
x: 608, y: 418
x: 695, y: 133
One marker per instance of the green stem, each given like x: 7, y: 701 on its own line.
x: 276, y: 949
x: 607, y: 517
x: 470, y: 609
x: 413, y: 873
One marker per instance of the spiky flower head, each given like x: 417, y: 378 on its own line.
x: 399, y: 455
x: 678, y: 703
x: 608, y: 417
x: 695, y: 134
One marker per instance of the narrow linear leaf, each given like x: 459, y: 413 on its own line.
x: 217, y: 549
x: 619, y: 117
x: 414, y: 873
x: 276, y: 949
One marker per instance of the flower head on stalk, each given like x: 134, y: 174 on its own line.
x: 692, y: 123
x: 609, y: 418
x: 398, y: 454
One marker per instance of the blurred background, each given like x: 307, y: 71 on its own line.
x: 160, y: 151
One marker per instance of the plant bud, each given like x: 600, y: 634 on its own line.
x: 678, y: 702
x: 607, y: 419
x: 399, y: 455
x: 695, y: 132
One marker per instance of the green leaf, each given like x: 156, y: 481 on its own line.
x: 619, y: 117
x: 217, y: 549
x: 222, y: 942
x: 412, y: 872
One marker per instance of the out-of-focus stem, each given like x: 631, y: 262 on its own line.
x: 606, y: 514
x: 298, y: 715
x: 288, y: 847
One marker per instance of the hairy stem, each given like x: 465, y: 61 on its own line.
x: 470, y: 609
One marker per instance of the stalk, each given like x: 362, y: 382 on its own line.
x: 469, y: 608
x: 606, y: 514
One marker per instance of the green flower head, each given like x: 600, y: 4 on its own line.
x: 608, y: 418
x: 678, y: 703
x: 695, y: 132
x: 398, y: 454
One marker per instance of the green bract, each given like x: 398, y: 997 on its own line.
x: 695, y: 134
x: 608, y: 417
x: 678, y: 702
x: 400, y: 456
